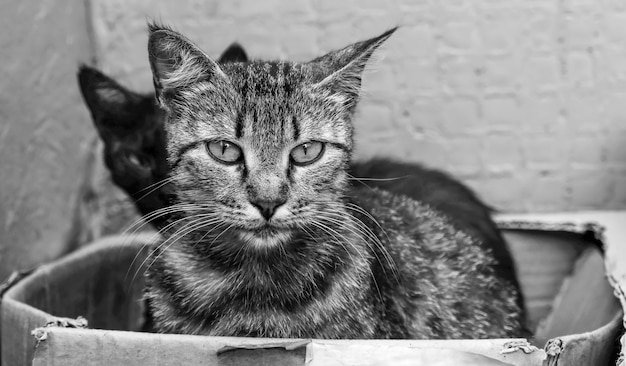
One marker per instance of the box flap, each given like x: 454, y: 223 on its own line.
x: 101, y: 347
x: 614, y: 238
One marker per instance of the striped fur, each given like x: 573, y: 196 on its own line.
x: 331, y: 262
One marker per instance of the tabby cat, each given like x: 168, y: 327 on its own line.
x: 131, y: 125
x: 265, y: 236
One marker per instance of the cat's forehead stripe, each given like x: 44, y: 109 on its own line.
x: 265, y: 89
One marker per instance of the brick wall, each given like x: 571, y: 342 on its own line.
x: 525, y: 100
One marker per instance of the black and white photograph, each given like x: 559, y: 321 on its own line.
x: 313, y: 182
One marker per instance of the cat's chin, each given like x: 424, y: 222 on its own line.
x: 265, y: 238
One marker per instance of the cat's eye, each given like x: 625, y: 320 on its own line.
x: 224, y: 151
x: 139, y: 161
x: 307, y: 153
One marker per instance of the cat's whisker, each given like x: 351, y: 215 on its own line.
x: 358, y: 209
x: 359, y: 230
x: 375, y: 240
x: 345, y: 240
x: 196, y: 224
x: 158, y: 183
x: 166, y: 210
x: 220, y: 223
x: 223, y: 231
x: 351, y: 177
x: 390, y: 179
x: 173, y: 238
x: 146, y: 219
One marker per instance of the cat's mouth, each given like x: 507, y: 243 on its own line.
x: 265, y: 235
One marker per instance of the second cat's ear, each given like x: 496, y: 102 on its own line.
x: 234, y: 53
x: 176, y: 62
x: 342, y: 69
x: 102, y: 94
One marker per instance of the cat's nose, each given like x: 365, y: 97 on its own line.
x: 267, y: 208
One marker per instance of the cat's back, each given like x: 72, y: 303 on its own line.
x: 438, y: 278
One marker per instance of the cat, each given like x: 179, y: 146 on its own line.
x: 131, y: 125
x: 266, y: 237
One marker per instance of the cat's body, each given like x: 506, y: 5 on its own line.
x: 447, y: 195
x: 430, y: 281
x: 428, y: 274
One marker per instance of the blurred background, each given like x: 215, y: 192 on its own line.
x: 523, y: 100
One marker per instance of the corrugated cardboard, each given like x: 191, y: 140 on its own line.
x: 561, y: 274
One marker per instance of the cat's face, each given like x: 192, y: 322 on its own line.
x: 261, y: 148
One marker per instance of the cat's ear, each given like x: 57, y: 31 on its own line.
x: 176, y: 62
x: 102, y: 94
x: 234, y: 53
x: 343, y: 68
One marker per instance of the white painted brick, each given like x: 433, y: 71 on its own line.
x: 499, y: 76
x: 421, y: 78
x: 300, y: 43
x: 459, y: 37
x: 581, y: 6
x: 418, y: 44
x: 615, y: 5
x: 616, y: 149
x: 459, y: 75
x: 412, y: 12
x: 614, y: 29
x: 542, y: 74
x: 547, y: 192
x: 541, y: 31
x: 501, y: 113
x: 501, y: 154
x: 380, y: 83
x: 501, y: 29
x: 502, y: 192
x: 544, y: 153
x: 464, y: 156
x: 460, y: 116
x: 618, y: 198
x: 540, y: 115
x: 430, y: 153
x: 587, y: 151
x: 580, y: 31
x: 586, y: 112
x: 611, y: 70
x: 329, y: 11
x: 590, y: 189
x: 534, y: 85
x: 616, y: 112
x: 423, y: 115
x: 374, y: 121
x: 579, y: 69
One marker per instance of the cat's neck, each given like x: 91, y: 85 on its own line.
x: 299, y: 268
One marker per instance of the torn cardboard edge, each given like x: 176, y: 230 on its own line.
x: 613, y: 237
x: 104, y: 347
x: 591, y: 231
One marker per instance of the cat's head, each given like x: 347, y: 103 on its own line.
x: 261, y: 146
x: 131, y: 127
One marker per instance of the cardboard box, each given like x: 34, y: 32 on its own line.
x: 570, y: 302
